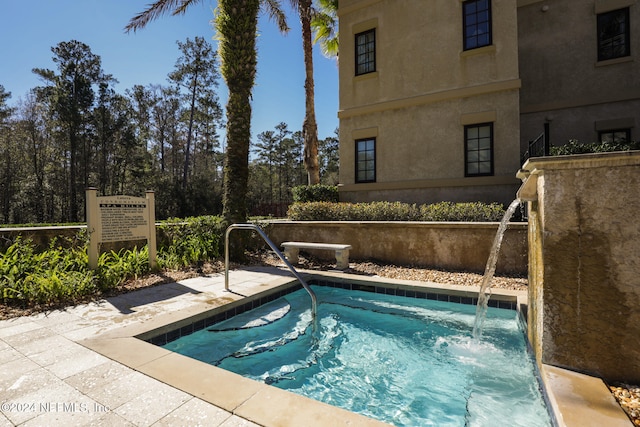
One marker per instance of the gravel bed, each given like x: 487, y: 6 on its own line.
x: 367, y: 268
x: 628, y: 396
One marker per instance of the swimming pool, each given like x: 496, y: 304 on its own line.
x: 404, y: 361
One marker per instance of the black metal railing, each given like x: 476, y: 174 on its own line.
x: 538, y: 147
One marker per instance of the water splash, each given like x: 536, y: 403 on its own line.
x: 490, y: 269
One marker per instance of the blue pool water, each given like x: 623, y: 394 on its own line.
x: 404, y: 361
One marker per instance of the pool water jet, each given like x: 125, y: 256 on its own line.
x: 485, y: 288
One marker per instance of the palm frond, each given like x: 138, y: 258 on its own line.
x: 274, y: 11
x: 325, y: 26
x: 157, y: 9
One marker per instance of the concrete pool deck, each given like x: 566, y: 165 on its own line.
x: 83, y: 366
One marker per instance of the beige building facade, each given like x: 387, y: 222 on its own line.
x: 580, y: 71
x: 438, y: 98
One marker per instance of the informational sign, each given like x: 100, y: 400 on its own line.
x: 120, y: 219
x: 123, y: 218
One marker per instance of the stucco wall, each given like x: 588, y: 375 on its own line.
x: 584, y: 277
x: 434, y: 191
x: 563, y: 82
x: 427, y: 141
x: 424, y: 91
x: 454, y: 245
x: 419, y: 49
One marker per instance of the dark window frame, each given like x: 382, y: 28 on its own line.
x: 366, y: 168
x: 609, y: 46
x: 471, y: 20
x: 364, y: 64
x: 627, y: 132
x: 467, y: 151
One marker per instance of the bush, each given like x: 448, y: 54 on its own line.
x: 115, y: 268
x: 471, y: 212
x: 395, y: 211
x: 189, y: 241
x: 58, y: 274
x: 575, y: 147
x: 315, y: 193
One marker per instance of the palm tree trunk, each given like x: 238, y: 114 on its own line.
x: 237, y: 22
x: 309, y: 127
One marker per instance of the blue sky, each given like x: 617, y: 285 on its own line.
x: 29, y: 28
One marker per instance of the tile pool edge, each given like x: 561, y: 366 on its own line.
x: 264, y: 404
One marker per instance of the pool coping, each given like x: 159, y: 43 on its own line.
x: 269, y: 406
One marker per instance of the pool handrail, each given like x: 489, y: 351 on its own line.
x: 262, y: 234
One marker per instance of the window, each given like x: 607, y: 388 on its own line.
x: 478, y: 152
x: 476, y: 21
x: 617, y: 136
x: 366, y: 160
x: 366, y: 52
x: 613, y: 34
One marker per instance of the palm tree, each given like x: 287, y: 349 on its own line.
x: 325, y: 25
x: 236, y: 23
x: 309, y: 126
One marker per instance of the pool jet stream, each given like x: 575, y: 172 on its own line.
x: 485, y: 289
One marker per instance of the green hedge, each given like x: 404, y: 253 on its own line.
x: 395, y: 211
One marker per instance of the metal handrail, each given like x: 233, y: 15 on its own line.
x: 538, y: 147
x: 275, y: 249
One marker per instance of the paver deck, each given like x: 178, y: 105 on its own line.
x: 47, y: 378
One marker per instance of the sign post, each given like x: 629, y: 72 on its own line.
x: 118, y: 219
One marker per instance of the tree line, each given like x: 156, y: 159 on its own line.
x: 75, y: 131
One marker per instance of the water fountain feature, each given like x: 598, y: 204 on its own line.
x: 584, y: 269
x: 485, y: 289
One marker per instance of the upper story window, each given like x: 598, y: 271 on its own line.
x: 476, y: 22
x: 366, y: 52
x: 366, y: 160
x: 478, y: 153
x: 613, y: 34
x: 617, y: 136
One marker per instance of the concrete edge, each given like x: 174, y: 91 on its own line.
x: 581, y: 400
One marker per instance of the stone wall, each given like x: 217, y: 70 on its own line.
x: 447, y: 245
x: 584, y: 264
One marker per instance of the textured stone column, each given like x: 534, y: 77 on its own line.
x: 584, y: 263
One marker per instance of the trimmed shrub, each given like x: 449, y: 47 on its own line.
x: 470, y: 212
x: 395, y: 211
x: 315, y: 193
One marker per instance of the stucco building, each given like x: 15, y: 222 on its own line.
x: 439, y: 98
